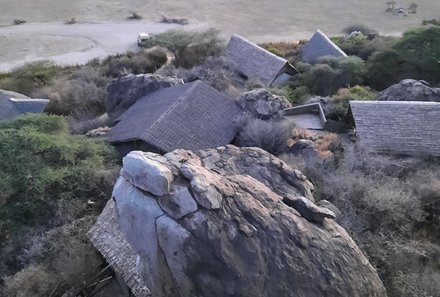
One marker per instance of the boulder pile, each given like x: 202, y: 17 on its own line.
x: 231, y: 222
x: 410, y: 90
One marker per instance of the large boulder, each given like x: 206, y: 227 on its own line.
x: 410, y: 90
x: 262, y: 104
x: 124, y: 91
x: 236, y: 222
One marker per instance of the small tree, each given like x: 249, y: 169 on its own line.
x: 329, y: 74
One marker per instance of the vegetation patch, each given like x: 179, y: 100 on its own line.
x: 48, y: 178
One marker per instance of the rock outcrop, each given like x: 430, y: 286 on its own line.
x: 262, y: 104
x: 234, y: 222
x: 124, y: 91
x: 410, y: 90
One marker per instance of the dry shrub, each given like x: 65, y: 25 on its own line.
x: 145, y: 61
x: 271, y: 136
x: 82, y: 92
x: 390, y: 207
x: 214, y: 71
x: 82, y: 126
x: 325, y: 143
x: 288, y: 50
x: 60, y: 259
x: 33, y: 281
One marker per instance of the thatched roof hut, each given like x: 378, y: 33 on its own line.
x: 190, y: 116
x: 318, y: 46
x: 12, y: 107
x: 111, y: 243
x: 406, y: 127
x: 254, y: 61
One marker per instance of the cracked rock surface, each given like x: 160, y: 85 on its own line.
x: 235, y: 222
x: 410, y: 90
x: 262, y: 104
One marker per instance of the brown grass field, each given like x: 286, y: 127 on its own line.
x: 254, y: 18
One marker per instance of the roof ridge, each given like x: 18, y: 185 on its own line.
x: 184, y: 96
x: 261, y: 48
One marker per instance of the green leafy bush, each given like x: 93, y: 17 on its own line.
x: 190, y: 48
x: 43, y: 167
x: 416, y: 55
x: 329, y: 74
x: 295, y: 95
x: 32, y: 76
x: 363, y: 47
x: 146, y: 61
x: 339, y: 102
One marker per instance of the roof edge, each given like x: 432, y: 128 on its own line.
x: 323, y: 35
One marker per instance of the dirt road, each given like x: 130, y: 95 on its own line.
x: 70, y: 44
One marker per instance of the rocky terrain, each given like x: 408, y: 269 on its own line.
x: 410, y: 90
x: 231, y: 222
x: 262, y: 104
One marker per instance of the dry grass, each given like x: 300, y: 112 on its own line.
x: 391, y: 208
x: 325, y: 143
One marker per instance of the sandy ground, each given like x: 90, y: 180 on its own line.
x: 103, y: 29
x: 70, y: 44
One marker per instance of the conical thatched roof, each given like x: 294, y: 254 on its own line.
x: 318, y: 46
x: 254, y: 61
x: 189, y: 116
x: 12, y: 107
x: 110, y: 242
x: 408, y: 127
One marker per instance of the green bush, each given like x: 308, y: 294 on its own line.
x: 190, y: 48
x: 42, y: 165
x: 32, y: 76
x: 329, y: 74
x: 415, y: 56
x: 295, y: 95
x: 339, y: 102
x: 142, y: 62
x: 363, y: 47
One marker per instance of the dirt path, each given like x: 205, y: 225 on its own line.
x: 71, y: 44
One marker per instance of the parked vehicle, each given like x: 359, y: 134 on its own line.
x: 142, y: 37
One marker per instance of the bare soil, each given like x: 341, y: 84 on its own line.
x: 258, y: 20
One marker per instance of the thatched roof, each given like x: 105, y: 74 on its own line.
x: 254, y: 61
x: 318, y: 46
x: 111, y: 243
x: 11, y: 107
x: 408, y: 127
x: 190, y: 116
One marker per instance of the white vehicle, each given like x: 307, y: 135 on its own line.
x: 142, y: 37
